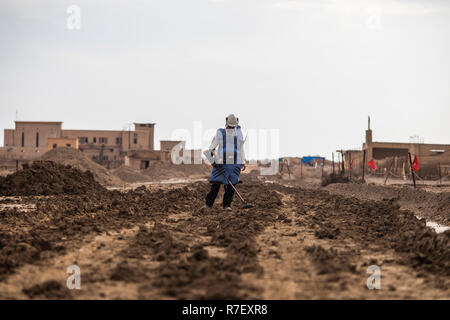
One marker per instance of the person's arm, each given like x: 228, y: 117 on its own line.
x: 214, y: 144
x: 211, y: 152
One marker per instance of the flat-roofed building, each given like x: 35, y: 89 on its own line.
x: 395, y: 155
x: 29, y: 139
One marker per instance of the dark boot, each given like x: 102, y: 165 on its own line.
x: 211, y: 197
x: 228, y: 196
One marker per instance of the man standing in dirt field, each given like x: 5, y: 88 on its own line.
x: 226, y: 154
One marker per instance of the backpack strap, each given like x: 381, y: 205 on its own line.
x: 224, y: 145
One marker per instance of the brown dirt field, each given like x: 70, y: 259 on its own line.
x: 160, y: 170
x: 156, y: 243
x: 431, y: 202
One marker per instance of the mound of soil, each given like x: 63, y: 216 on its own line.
x: 4, y: 173
x: 252, y: 173
x: 334, y: 178
x: 129, y: 175
x: 75, y: 158
x: 431, y: 205
x: 48, y: 290
x: 329, y: 261
x: 49, y: 178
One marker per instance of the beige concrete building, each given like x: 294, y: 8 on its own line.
x: 29, y: 139
x: 142, y: 159
x: 111, y: 148
x: 168, y: 145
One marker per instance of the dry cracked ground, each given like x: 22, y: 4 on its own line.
x: 157, y: 243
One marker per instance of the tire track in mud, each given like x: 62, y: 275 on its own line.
x: 63, y: 224
x: 432, y: 205
x: 284, y: 263
x: 203, y: 254
x: 298, y: 265
x: 340, y: 249
x: 96, y: 258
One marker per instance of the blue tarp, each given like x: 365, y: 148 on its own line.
x: 310, y: 159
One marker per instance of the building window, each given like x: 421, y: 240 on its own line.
x: 95, y: 139
x: 112, y: 150
x: 83, y: 140
x: 68, y: 145
x: 54, y: 146
x: 23, y: 139
x: 37, y: 139
x: 135, y: 141
x: 103, y: 140
x: 118, y: 140
x: 105, y: 158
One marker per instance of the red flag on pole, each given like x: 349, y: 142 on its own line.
x: 415, y: 164
x: 351, y: 165
x: 372, y: 165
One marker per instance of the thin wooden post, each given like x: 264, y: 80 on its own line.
x: 343, y: 165
x: 350, y: 164
x: 332, y: 157
x: 396, y: 165
x: 389, y: 170
x: 339, y: 162
x: 289, y: 171
x: 301, y: 169
x: 412, y: 171
x: 363, y: 165
x: 323, y: 165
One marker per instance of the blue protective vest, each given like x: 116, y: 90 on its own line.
x: 230, y: 155
x: 229, y: 147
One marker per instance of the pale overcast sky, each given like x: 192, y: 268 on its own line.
x: 314, y: 69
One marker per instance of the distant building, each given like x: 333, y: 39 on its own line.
x: 168, y: 145
x: 111, y: 148
x: 30, y: 139
x: 395, y: 154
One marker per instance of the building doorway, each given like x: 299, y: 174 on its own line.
x: 145, y: 164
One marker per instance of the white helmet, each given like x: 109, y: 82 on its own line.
x: 231, y: 121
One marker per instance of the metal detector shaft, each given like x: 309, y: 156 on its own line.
x: 237, y: 192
